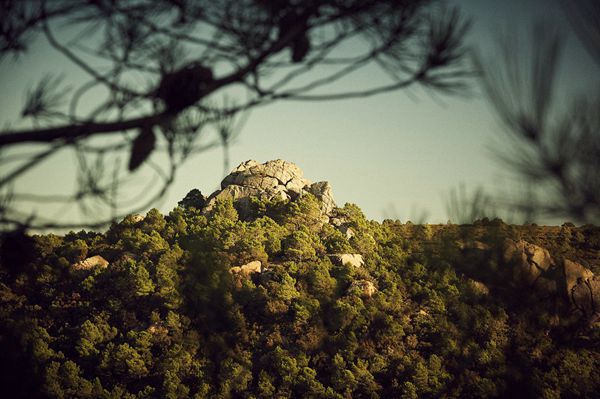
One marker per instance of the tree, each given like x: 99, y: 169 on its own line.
x: 555, y: 149
x: 193, y: 57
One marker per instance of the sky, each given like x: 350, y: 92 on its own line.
x: 395, y: 155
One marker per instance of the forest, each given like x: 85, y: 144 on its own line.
x: 261, y: 304
x: 268, y: 289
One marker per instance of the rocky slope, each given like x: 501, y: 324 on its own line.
x: 567, y: 283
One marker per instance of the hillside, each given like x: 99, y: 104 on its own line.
x: 267, y: 289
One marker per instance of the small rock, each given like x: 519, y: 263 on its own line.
x: 347, y: 231
x: 355, y: 260
x: 247, y: 269
x: 136, y: 218
x: 363, y: 288
x: 91, y: 262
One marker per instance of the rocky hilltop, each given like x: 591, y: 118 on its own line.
x: 527, y: 268
x: 272, y: 180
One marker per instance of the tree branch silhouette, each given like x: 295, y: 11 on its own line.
x: 555, y: 148
x: 189, y: 54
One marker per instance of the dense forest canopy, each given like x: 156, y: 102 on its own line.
x: 272, y: 299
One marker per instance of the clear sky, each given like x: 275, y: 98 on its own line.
x: 395, y: 155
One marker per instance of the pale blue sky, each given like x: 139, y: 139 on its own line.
x: 395, y: 155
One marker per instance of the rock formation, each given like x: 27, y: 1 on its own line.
x: 530, y: 260
x: 355, y: 260
x: 583, y: 288
x: 271, y: 180
x: 550, y: 279
x: 247, y: 269
x: 91, y: 262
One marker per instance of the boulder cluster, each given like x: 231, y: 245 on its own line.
x: 551, y: 278
x: 271, y: 180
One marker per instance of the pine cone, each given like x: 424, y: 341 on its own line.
x: 180, y: 89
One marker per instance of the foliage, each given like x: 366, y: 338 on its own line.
x: 167, y: 318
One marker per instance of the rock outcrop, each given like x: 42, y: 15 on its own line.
x: 574, y: 273
x: 271, y: 180
x: 355, y: 260
x: 322, y: 190
x: 530, y: 260
x: 247, y: 269
x: 583, y: 288
x: 90, y: 263
x: 535, y: 271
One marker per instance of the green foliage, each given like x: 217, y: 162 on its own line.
x: 169, y: 318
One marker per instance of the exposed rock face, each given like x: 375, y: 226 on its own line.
x: 271, y: 180
x: 583, y: 288
x: 563, y: 281
x: 322, y: 190
x: 536, y: 267
x: 362, y: 287
x: 247, y: 269
x: 575, y: 272
x: 355, y: 260
x: 531, y: 260
x: 91, y: 262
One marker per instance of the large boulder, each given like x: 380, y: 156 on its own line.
x: 529, y: 260
x: 575, y: 272
x: 562, y: 281
x: 583, y: 288
x: 272, y: 180
x: 322, y: 190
